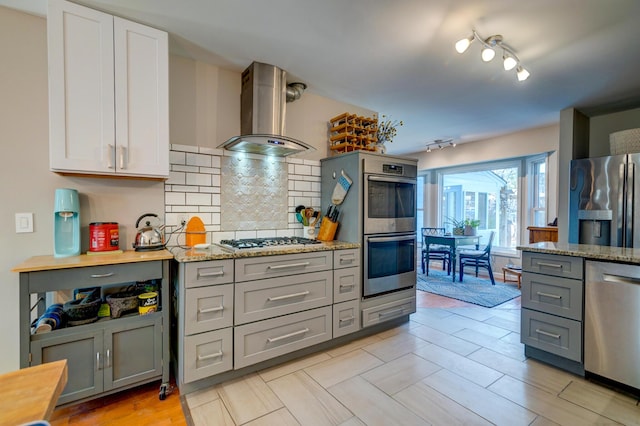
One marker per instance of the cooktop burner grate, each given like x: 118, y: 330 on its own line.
x: 247, y: 243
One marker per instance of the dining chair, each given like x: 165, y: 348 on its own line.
x: 478, y: 259
x: 436, y: 251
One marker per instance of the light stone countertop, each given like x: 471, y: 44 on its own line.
x: 592, y: 252
x: 215, y: 252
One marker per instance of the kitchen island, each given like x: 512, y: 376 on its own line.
x: 238, y: 311
x: 580, y: 309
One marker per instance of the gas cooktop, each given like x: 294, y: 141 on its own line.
x: 253, y: 243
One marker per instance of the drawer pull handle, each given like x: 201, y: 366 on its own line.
x: 394, y: 312
x: 348, y: 260
x: 287, y: 296
x: 208, y: 310
x: 553, y: 296
x: 550, y: 265
x: 286, y: 336
x: 210, y: 274
x: 347, y: 285
x: 546, y: 333
x: 291, y: 265
x: 108, y: 274
x: 206, y: 357
x: 351, y: 318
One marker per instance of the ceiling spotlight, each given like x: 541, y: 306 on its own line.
x: 488, y: 54
x: 453, y: 144
x: 463, y: 45
x: 428, y: 149
x: 508, y: 61
x: 522, y: 74
x: 509, y: 58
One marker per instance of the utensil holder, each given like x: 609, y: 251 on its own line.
x: 309, y: 232
x: 327, y: 230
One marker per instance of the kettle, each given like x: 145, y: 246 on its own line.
x: 148, y: 237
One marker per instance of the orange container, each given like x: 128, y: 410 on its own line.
x: 327, y: 230
x: 195, y: 232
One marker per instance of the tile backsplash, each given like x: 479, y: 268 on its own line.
x: 237, y: 195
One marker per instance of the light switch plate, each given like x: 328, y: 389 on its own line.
x: 24, y: 222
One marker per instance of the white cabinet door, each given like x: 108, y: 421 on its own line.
x: 81, y: 97
x: 109, y: 94
x: 141, y: 99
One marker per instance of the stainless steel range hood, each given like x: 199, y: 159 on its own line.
x: 262, y: 113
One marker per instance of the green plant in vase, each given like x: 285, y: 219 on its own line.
x: 471, y: 226
x: 387, y: 130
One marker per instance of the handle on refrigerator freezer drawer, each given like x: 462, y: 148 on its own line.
x: 620, y: 279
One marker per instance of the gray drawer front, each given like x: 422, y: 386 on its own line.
x: 267, y: 339
x: 346, y: 318
x: 198, y: 274
x: 208, y: 308
x: 94, y: 276
x: 346, y: 258
x: 553, y: 264
x: 346, y: 284
x: 553, y: 295
x: 257, y: 268
x: 560, y: 336
x: 385, y: 312
x: 257, y: 300
x: 207, y: 354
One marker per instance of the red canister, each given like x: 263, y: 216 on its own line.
x: 104, y: 236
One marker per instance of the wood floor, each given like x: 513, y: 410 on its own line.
x: 452, y: 363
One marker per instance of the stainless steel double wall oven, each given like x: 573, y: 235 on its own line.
x: 380, y: 213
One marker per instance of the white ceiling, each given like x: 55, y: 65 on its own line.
x: 397, y: 56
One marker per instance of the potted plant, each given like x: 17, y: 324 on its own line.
x: 387, y: 130
x: 457, y: 225
x: 471, y: 226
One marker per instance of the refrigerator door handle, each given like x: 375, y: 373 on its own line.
x: 630, y: 189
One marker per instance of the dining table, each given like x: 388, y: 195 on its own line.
x: 453, y: 242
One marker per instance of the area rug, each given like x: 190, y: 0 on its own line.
x: 478, y: 291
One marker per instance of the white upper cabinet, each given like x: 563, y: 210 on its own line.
x: 108, y: 94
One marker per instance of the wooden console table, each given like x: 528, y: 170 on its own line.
x: 543, y: 233
x: 31, y: 394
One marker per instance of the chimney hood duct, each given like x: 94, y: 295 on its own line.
x: 262, y: 113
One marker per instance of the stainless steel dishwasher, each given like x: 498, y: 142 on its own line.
x: 612, y: 322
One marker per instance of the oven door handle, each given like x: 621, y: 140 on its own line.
x: 391, y: 179
x: 387, y: 239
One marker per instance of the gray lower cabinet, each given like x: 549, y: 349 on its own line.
x: 552, y: 308
x: 108, y: 354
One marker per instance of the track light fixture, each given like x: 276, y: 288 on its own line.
x: 489, y: 45
x: 440, y: 144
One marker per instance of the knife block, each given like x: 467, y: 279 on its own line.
x: 327, y: 230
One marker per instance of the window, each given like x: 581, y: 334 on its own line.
x: 538, y: 191
x: 484, y: 192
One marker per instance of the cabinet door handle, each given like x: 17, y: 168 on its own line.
x: 291, y: 265
x: 210, y: 274
x: 111, y: 153
x: 206, y: 357
x: 208, y: 310
x: 553, y: 296
x: 108, y: 358
x: 108, y: 274
x: 351, y: 318
x: 121, y: 152
x: 286, y: 336
x: 287, y: 296
x: 97, y: 361
x: 550, y: 265
x: 546, y: 333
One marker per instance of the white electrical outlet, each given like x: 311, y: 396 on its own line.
x: 24, y: 222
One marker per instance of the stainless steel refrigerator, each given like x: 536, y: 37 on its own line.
x: 602, y: 195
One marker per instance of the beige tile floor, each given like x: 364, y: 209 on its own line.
x: 452, y: 364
